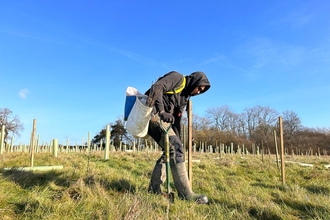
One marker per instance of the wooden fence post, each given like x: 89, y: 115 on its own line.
x: 275, y: 140
x: 190, y: 142
x: 2, y: 137
x: 282, y: 151
x: 37, y: 144
x: 32, y: 142
x: 107, y: 143
x: 183, y: 135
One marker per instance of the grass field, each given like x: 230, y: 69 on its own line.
x: 90, y: 188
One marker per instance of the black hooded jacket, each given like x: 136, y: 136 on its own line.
x: 176, y: 103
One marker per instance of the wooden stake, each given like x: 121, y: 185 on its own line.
x: 190, y: 142
x: 275, y: 140
x: 107, y: 143
x: 2, y: 139
x: 32, y: 142
x: 282, y: 150
x: 184, y: 144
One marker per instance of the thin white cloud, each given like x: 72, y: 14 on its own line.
x: 216, y: 59
x: 297, y: 18
x: 266, y: 53
x: 126, y: 53
x: 36, y: 37
x: 136, y: 57
x: 23, y: 93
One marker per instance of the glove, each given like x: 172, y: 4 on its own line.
x: 167, y: 117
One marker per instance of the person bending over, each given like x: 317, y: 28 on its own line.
x: 169, y: 96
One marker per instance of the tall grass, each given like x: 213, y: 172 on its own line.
x: 90, y: 188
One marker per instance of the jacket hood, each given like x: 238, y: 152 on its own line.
x: 197, y: 79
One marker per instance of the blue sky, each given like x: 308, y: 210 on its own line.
x: 67, y: 63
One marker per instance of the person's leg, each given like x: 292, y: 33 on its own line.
x: 177, y: 164
x: 158, y: 176
x: 179, y: 173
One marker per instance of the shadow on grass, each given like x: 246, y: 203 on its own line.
x: 318, y: 190
x: 28, y: 207
x: 306, y: 209
x: 29, y: 179
x: 263, y: 214
x: 267, y: 186
x: 254, y: 212
x: 120, y: 185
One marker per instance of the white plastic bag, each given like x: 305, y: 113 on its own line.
x: 132, y: 91
x: 138, y: 119
x: 131, y: 95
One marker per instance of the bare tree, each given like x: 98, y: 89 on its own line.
x: 220, y: 117
x: 291, y: 124
x: 235, y: 124
x: 267, y: 120
x: 251, y: 118
x: 12, y: 123
x: 200, y: 122
x: 260, y: 122
x: 242, y: 126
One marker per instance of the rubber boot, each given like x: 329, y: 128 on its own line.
x: 158, y: 177
x: 182, y: 185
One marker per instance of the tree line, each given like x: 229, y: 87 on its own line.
x: 254, y: 125
x: 257, y: 125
